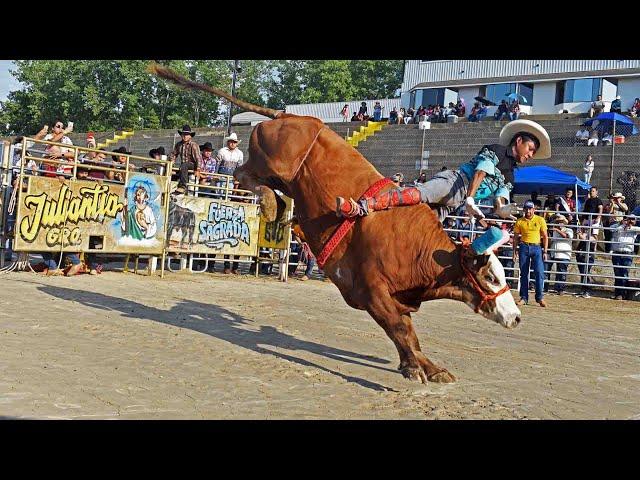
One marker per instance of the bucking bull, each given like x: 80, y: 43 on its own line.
x: 389, y: 262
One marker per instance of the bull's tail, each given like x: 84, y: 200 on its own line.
x: 172, y: 76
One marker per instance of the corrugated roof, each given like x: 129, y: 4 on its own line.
x: 330, y: 112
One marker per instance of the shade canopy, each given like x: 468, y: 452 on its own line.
x: 544, y: 180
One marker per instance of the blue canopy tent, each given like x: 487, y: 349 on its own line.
x: 545, y: 180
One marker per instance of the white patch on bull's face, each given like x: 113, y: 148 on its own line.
x: 338, y: 272
x: 492, y: 279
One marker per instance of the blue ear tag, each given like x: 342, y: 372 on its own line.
x: 490, y: 240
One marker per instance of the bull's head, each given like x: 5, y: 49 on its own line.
x: 484, y: 286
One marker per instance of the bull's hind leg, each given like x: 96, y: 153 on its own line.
x: 414, y: 365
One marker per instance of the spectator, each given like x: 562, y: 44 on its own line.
x: 209, y: 164
x: 120, y: 162
x: 410, y: 118
x: 393, y: 116
x: 156, y: 154
x: 422, y: 178
x: 461, y: 108
x: 363, y: 110
x: 618, y: 209
x: 401, y: 115
x: 449, y: 111
x: 465, y: 227
x: 450, y: 226
x: 567, y: 204
x: 535, y: 200
x: 188, y: 153
x: 624, y: 235
x: 420, y: 114
x: 503, y: 111
x: 514, y: 110
x: 635, y: 108
x: 377, y: 111
x: 356, y: 117
x: 549, y: 205
x: 59, y: 135
x: 582, y: 136
x: 527, y: 234
x: 473, y: 116
x: 398, y: 178
x: 616, y: 105
x: 344, y: 113
x: 607, y: 139
x: 597, y: 107
x: 51, y: 264
x: 436, y: 114
x: 594, y: 207
x: 100, y: 161
x: 588, y: 168
x: 593, y: 138
x: 561, y: 237
x: 482, y: 112
x: 230, y: 158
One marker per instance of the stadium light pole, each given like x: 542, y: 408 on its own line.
x: 236, y: 70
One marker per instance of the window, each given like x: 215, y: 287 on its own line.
x: 526, y: 90
x: 499, y: 91
x: 579, y: 90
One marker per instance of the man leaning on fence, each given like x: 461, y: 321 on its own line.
x: 624, y: 235
x: 527, y: 234
x: 560, y: 252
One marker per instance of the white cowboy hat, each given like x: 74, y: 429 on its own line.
x: 232, y: 138
x: 527, y: 126
x: 559, y: 218
x: 617, y: 195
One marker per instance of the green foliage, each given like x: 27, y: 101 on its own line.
x: 104, y: 95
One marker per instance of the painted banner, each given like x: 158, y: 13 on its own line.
x: 90, y: 216
x: 276, y: 234
x: 214, y: 226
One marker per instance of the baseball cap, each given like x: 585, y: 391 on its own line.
x: 529, y: 204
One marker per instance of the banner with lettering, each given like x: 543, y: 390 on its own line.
x: 90, y: 216
x: 214, y: 226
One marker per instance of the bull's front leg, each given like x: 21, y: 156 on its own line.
x: 269, y: 201
x: 414, y: 364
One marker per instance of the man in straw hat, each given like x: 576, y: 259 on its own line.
x: 624, y: 235
x: 561, y: 236
x: 489, y: 175
x: 617, y: 209
x: 188, y: 155
x: 230, y: 158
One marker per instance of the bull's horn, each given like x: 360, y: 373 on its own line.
x: 172, y: 76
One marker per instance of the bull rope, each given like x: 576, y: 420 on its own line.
x: 344, y: 228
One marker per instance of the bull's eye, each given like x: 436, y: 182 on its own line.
x: 489, y: 278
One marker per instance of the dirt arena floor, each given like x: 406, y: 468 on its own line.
x: 210, y: 346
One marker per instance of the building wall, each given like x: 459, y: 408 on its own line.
x: 417, y: 71
x: 544, y: 98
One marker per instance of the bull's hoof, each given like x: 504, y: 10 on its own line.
x: 415, y: 374
x: 268, y: 203
x: 442, y: 377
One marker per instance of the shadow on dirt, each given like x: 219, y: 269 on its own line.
x: 221, y: 323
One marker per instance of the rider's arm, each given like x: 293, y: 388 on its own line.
x: 477, y: 179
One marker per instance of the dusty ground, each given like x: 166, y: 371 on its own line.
x: 126, y: 346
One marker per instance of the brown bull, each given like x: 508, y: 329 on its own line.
x: 389, y: 262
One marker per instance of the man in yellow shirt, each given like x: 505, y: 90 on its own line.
x: 527, y: 234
